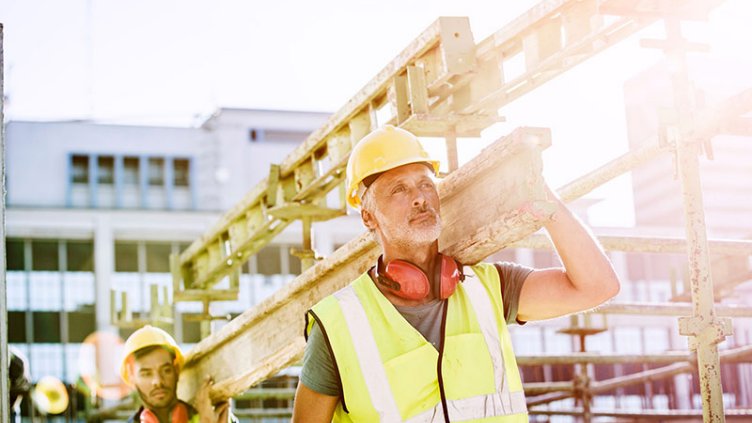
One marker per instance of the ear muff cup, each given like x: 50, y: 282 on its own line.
x: 408, y: 281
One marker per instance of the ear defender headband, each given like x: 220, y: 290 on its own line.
x: 408, y: 281
x: 179, y: 415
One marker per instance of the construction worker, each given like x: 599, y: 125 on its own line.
x: 415, y: 338
x: 151, y: 364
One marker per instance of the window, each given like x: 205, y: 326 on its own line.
x: 16, y: 326
x: 130, y: 171
x: 181, y: 172
x: 158, y: 258
x: 80, y: 325
x: 44, y: 255
x: 268, y: 261
x: 80, y: 256
x: 293, y: 262
x: 106, y: 170
x: 156, y: 171
x: 126, y: 257
x: 80, y: 169
x: 191, y: 328
x: 47, y: 326
x: 15, y: 254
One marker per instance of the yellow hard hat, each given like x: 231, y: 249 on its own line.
x: 382, y: 150
x: 50, y: 395
x: 145, y: 337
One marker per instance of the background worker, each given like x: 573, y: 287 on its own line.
x: 151, y: 364
x: 415, y: 339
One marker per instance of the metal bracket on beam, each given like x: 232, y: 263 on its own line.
x: 705, y: 331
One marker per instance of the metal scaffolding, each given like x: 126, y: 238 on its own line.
x: 443, y: 84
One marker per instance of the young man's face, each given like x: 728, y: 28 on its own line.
x: 156, y: 379
x: 405, y: 206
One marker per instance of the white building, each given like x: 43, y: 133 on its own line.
x: 94, y: 207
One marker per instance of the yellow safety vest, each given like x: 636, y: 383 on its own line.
x: 390, y: 373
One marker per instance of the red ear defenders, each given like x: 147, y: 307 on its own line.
x: 179, y: 415
x: 408, y: 281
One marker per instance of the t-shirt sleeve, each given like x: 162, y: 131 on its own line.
x: 318, y: 372
x: 512, y: 276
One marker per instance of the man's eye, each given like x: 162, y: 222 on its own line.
x: 398, y: 189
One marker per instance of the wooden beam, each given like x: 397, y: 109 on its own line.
x: 488, y: 203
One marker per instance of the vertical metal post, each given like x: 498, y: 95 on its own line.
x: 308, y: 257
x: 703, y: 326
x: 4, y: 389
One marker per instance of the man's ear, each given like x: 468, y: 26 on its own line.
x: 369, y: 220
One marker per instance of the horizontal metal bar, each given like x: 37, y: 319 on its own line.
x: 263, y: 412
x: 611, y: 170
x: 266, y: 393
x: 538, y: 388
x: 636, y: 244
x: 595, y: 358
x: 670, y: 309
x: 662, y: 372
x: 741, y: 415
x: 641, y: 377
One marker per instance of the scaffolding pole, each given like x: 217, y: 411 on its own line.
x: 703, y: 327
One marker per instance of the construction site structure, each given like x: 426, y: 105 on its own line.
x: 446, y: 85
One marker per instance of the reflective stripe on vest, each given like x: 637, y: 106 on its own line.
x: 501, y: 402
x: 368, y: 355
x: 479, y: 385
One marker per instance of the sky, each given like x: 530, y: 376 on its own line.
x: 176, y: 62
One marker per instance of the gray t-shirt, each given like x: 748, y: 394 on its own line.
x: 319, y: 372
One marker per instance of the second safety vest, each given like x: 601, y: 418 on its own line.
x: 391, y: 373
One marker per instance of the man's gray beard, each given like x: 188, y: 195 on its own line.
x: 410, y: 236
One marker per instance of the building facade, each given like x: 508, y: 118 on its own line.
x: 95, y: 208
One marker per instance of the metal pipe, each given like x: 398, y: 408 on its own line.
x: 595, y: 358
x: 545, y: 399
x: 634, y: 244
x: 532, y: 388
x: 260, y: 413
x: 669, y: 309
x: 641, y: 377
x: 702, y: 328
x: 266, y: 393
x: 742, y: 415
x: 610, y: 170
x: 663, y: 372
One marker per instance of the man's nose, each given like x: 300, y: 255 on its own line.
x: 156, y: 381
x: 419, y: 199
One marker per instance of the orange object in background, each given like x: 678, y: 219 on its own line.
x: 98, y: 364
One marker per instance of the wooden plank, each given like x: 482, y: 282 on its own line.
x: 503, y: 188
